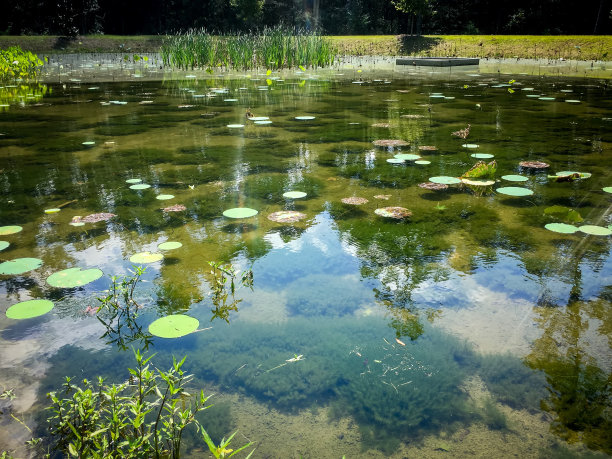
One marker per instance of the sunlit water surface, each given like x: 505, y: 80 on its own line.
x: 467, y: 329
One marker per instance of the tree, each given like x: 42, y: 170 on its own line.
x: 416, y: 8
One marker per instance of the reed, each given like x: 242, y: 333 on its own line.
x: 272, y: 48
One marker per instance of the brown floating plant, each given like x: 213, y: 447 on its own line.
x: 286, y: 216
x: 393, y: 212
x: 433, y: 186
x: 93, y: 218
x: 355, y: 201
x: 390, y: 143
x: 427, y: 148
x: 175, y: 208
x: 534, y: 164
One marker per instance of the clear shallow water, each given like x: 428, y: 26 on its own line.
x: 505, y: 325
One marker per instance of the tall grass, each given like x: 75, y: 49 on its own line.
x: 272, y: 48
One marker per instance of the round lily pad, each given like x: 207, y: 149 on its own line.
x: 395, y: 161
x: 20, y: 265
x: 174, y: 326
x: 445, y: 180
x: 74, y: 277
x: 478, y: 182
x: 534, y: 164
x: 169, y: 245
x: 89, y: 144
x: 469, y: 145
x: 422, y: 162
x: 6, y: 230
x: 29, y: 309
x: 240, y: 212
x: 515, y: 178
x: 294, y: 194
x: 259, y: 118
x: 433, y: 186
x: 140, y: 186
x: 514, y: 191
x: 354, y: 200
x: 304, y: 118
x: 482, y: 155
x: 146, y: 257
x: 595, y: 230
x: 235, y: 126
x: 263, y: 122
x: 572, y: 101
x: 393, y: 212
x: 3, y: 245
x: 607, y: 189
x: 568, y: 173
x: 407, y: 156
x: 133, y: 180
x: 76, y: 224
x: 164, y: 197
x: 52, y: 211
x: 286, y: 216
x: 561, y: 228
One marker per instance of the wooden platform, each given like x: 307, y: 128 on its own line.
x: 437, y: 61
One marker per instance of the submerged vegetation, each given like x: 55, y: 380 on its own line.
x: 273, y: 48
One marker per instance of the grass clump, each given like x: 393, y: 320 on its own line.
x: 272, y: 48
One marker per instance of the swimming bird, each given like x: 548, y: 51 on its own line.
x: 249, y: 114
x: 462, y: 133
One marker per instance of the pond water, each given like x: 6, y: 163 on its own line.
x: 467, y: 328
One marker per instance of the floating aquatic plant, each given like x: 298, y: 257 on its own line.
x: 354, y: 200
x: 469, y: 145
x: 6, y: 230
x: 286, y: 216
x: 95, y: 218
x: 595, y: 230
x: 432, y: 186
x: 383, y: 196
x: 390, y: 143
x: 146, y: 257
x: 397, y: 213
x: 174, y: 326
x: 482, y: 155
x: 240, y: 212
x: 427, y: 148
x: 235, y: 126
x: 564, y: 213
x: 561, y: 228
x: 304, y: 118
x: 74, y: 277
x: 53, y: 210
x: 607, y: 189
x: 20, y: 265
x: 164, y: 197
x: 407, y: 156
x: 169, y: 245
x: 3, y: 245
x: 481, y: 169
x: 395, y: 161
x: 478, y: 183
x: 140, y: 186
x: 422, y: 162
x: 514, y: 178
x: 294, y: 194
x: 175, y: 208
x: 446, y: 180
x: 514, y: 191
x: 534, y: 164
x: 29, y: 309
x: 381, y: 125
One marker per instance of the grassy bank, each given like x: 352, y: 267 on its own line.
x: 580, y: 47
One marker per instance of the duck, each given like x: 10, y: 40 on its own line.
x: 462, y: 133
x: 249, y: 114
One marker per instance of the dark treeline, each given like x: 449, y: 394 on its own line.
x: 333, y: 17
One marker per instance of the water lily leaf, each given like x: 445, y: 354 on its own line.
x: 546, y: 98
x: 407, y: 156
x: 164, y: 197
x: 469, y: 145
x: 515, y: 178
x: 478, y: 182
x: 607, y: 189
x: 240, y: 212
x: 140, y: 186
x: 169, y: 245
x: 561, y: 228
x: 582, y: 175
x: 514, y: 191
x: 534, y: 164
x: 146, y: 257
x: 133, y: 180
x: 354, y: 200
x: 29, y: 309
x: 89, y: 144
x: 20, y: 265
x: 395, y: 161
x: 482, y: 155
x: 393, y: 212
x: 595, y: 230
x: 3, y: 245
x: 294, y: 194
x: 174, y: 326
x: 74, y: 277
x: 263, y: 122
x: 422, y: 162
x: 304, y: 118
x: 235, y: 126
x: 572, y: 101
x: 445, y: 180
x: 52, y: 211
x: 564, y: 213
x: 286, y: 216
x: 259, y: 118
x: 6, y: 230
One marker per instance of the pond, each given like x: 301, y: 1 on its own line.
x: 385, y: 319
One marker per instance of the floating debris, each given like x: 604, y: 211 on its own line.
x: 386, y: 197
x: 390, y: 143
x: 354, y: 200
x: 93, y: 218
x: 175, y: 208
x: 534, y: 164
x: 432, y: 186
x: 397, y: 213
x: 427, y: 148
x: 462, y: 133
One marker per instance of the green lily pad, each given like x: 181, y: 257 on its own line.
x: 515, y: 178
x: 74, y: 277
x: 52, y: 211
x: 304, y: 118
x: 89, y: 144
x: 294, y: 194
x: 6, y: 230
x: 29, y: 309
x: 407, y: 156
x: 146, y: 257
x: 235, y: 126
x: 607, y: 189
x: 262, y: 122
x: 259, y: 118
x: 582, y: 175
x: 397, y: 213
x: 445, y: 180
x: 20, y: 265
x: 422, y: 162
x: 140, y: 186
x: 3, y: 245
x: 482, y: 155
x: 240, y: 212
x: 164, y: 197
x: 469, y: 145
x: 546, y: 98
x: 561, y: 228
x: 572, y: 101
x: 174, y: 326
x: 595, y: 230
x: 133, y: 180
x: 514, y: 191
x: 395, y: 161
x: 478, y: 182
x: 169, y: 245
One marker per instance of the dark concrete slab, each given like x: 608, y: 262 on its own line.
x: 438, y: 61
